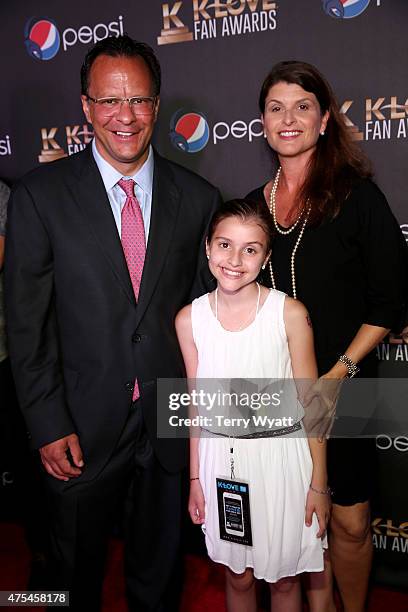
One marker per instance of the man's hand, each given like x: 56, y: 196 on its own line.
x: 55, y: 458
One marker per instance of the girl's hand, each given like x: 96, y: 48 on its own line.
x: 196, y: 503
x: 320, y: 504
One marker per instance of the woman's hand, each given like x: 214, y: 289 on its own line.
x: 320, y: 404
x: 320, y: 504
x: 196, y: 503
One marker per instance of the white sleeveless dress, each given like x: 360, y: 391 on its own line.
x: 278, y: 469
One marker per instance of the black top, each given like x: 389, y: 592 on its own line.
x: 349, y: 271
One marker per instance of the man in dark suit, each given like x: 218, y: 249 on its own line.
x: 103, y: 249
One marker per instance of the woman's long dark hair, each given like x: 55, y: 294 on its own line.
x: 337, y: 162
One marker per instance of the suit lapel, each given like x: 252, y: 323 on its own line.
x: 91, y: 195
x: 165, y: 206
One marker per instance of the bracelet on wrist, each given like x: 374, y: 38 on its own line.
x: 195, y: 478
x: 320, y: 491
x: 352, y: 367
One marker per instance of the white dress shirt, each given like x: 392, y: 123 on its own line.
x: 143, y: 187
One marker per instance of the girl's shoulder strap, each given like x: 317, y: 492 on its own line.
x: 275, y: 304
x: 200, y: 310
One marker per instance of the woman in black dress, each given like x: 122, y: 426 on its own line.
x: 338, y: 249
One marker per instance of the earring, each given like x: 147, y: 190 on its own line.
x: 322, y: 133
x: 264, y: 266
x: 208, y: 257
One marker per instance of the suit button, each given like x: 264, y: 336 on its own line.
x: 136, y: 337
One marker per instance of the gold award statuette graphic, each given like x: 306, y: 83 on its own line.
x: 51, y: 150
x: 355, y: 132
x: 174, y: 30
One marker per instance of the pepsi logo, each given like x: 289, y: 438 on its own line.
x: 189, y: 131
x: 344, y: 9
x: 42, y: 39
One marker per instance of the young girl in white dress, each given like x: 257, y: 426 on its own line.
x: 243, y: 330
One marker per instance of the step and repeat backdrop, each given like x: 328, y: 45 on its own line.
x: 214, y: 56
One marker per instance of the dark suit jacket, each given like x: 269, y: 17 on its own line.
x: 77, y: 338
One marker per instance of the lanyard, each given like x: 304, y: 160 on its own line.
x: 232, y: 462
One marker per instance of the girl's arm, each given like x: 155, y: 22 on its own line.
x: 184, y: 332
x: 301, y: 347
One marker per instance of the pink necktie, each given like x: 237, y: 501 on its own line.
x: 133, y: 242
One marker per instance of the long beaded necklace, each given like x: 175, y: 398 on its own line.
x: 272, y: 210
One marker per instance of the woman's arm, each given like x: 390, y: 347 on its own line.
x: 365, y: 340
x: 184, y: 332
x: 384, y: 255
x: 301, y: 347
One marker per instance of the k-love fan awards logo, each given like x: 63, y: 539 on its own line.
x: 394, y: 347
x: 382, y: 118
x: 219, y: 18
x: 390, y: 535
x: 43, y: 39
x: 76, y: 137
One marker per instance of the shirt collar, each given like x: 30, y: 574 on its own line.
x: 110, y: 176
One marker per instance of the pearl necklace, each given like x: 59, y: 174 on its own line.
x: 272, y: 209
x: 245, y: 323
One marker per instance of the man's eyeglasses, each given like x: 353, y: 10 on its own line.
x: 139, y: 105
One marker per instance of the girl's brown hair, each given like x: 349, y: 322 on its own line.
x: 247, y: 210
